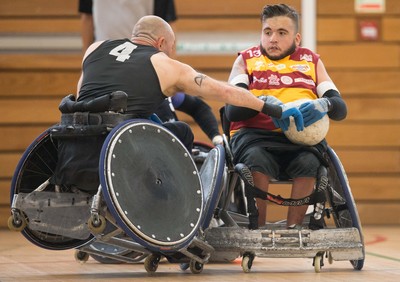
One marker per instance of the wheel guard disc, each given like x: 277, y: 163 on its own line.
x: 153, y: 183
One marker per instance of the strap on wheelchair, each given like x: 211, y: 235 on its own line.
x: 317, y: 197
x: 316, y: 221
x: 251, y: 191
x: 87, y: 124
x: 106, y: 119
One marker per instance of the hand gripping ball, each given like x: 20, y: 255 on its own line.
x: 312, y: 134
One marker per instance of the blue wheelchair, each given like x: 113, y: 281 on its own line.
x: 143, y: 196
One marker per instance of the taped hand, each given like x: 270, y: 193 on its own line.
x: 314, y: 110
x: 283, y: 122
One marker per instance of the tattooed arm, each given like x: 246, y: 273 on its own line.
x: 175, y: 77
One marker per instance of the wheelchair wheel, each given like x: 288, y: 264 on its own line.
x: 34, y: 168
x: 81, y: 257
x: 318, y: 262
x: 195, y: 267
x: 199, y: 153
x: 151, y: 185
x: 341, y: 201
x: 247, y: 262
x: 212, y: 178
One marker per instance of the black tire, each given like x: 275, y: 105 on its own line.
x: 34, y: 168
x: 340, y: 199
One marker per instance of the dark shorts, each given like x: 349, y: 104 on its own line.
x: 273, y: 154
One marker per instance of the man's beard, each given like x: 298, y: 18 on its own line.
x: 284, y: 54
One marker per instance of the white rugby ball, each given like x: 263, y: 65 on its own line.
x: 312, y: 134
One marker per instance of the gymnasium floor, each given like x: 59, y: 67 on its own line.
x: 20, y: 260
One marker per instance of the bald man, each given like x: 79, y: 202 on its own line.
x: 142, y: 68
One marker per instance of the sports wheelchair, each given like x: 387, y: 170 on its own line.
x: 332, y: 228
x: 153, y: 198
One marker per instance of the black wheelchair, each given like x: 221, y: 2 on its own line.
x: 153, y: 198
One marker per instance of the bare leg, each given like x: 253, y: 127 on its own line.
x: 261, y: 181
x: 302, y: 187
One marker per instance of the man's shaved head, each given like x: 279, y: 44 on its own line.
x: 155, y: 29
x: 152, y: 27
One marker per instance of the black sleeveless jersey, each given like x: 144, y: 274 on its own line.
x: 122, y: 65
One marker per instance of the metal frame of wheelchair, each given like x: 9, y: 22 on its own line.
x: 108, y: 227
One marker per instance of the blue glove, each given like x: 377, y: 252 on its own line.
x: 314, y: 110
x: 283, y: 122
x: 295, y: 113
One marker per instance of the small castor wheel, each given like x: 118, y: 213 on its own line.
x: 183, y: 266
x: 97, y: 224
x: 357, y: 264
x: 16, y: 225
x: 151, y: 263
x: 195, y: 266
x: 329, y: 256
x: 318, y: 262
x: 247, y: 262
x: 81, y: 257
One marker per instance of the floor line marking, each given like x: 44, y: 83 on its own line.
x: 377, y: 239
x: 382, y: 256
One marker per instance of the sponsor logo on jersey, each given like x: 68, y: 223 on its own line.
x: 273, y: 80
x: 277, y: 67
x: 301, y: 68
x: 287, y: 80
x: 306, y: 57
x: 258, y: 65
x: 261, y: 80
x: 304, y: 80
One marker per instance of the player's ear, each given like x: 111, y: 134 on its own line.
x: 298, y: 39
x: 160, y: 42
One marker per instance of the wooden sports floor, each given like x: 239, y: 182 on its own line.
x: 20, y: 260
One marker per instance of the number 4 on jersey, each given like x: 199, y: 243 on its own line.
x: 123, y: 51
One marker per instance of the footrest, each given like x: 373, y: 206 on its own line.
x: 63, y: 214
x: 343, y: 243
x: 197, y: 244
